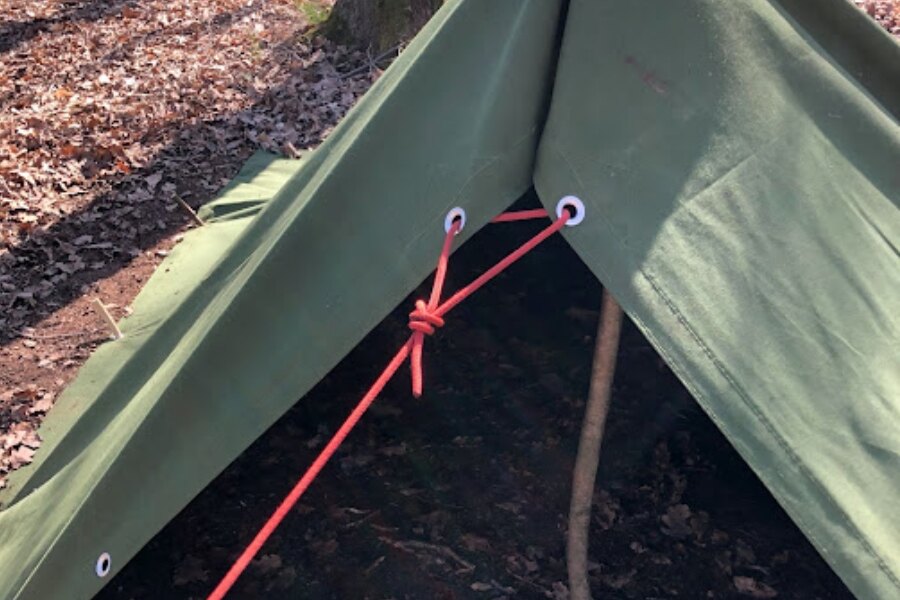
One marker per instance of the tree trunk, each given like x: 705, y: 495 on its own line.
x: 588, y: 457
x: 378, y: 25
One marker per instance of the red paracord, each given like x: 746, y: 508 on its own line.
x: 520, y: 215
x: 422, y: 321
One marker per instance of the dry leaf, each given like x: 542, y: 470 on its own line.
x: 190, y: 571
x: 62, y: 93
x: 620, y: 580
x: 676, y: 521
x: 41, y: 406
x: 267, y: 563
x: 605, y: 509
x: 21, y: 456
x: 285, y: 579
x: 394, y: 450
x: 753, y: 588
x: 474, y: 543
x: 153, y: 180
x: 68, y: 150
x: 560, y: 591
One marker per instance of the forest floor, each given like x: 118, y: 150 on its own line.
x: 111, y: 114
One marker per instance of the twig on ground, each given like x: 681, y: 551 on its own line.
x: 416, y: 547
x: 114, y: 330
x: 364, y: 519
x: 545, y: 591
x: 373, y: 566
x: 371, y: 62
x: 59, y: 336
x: 190, y: 211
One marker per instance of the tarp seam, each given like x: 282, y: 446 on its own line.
x: 720, y: 367
x: 794, y: 458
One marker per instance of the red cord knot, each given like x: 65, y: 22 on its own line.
x: 422, y: 322
x: 423, y: 319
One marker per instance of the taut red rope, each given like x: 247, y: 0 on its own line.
x: 520, y: 215
x: 422, y: 322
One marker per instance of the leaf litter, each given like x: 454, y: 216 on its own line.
x: 111, y: 113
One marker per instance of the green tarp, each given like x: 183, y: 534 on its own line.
x: 740, y: 163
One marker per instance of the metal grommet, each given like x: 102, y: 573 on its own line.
x: 573, y: 203
x: 453, y: 215
x: 104, y: 565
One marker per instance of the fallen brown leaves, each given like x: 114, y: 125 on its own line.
x: 749, y: 586
x: 111, y: 113
x: 20, y: 410
x: 95, y: 101
x: 885, y: 12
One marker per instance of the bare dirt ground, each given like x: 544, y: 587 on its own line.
x: 110, y: 113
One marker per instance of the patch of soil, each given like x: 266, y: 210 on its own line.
x: 464, y: 493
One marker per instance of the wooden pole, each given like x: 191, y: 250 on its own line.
x: 190, y: 211
x: 114, y: 330
x: 585, y: 472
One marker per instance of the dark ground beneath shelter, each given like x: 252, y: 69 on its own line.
x: 464, y: 493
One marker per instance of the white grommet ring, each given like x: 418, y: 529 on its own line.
x: 573, y: 203
x: 104, y: 565
x: 455, y: 214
